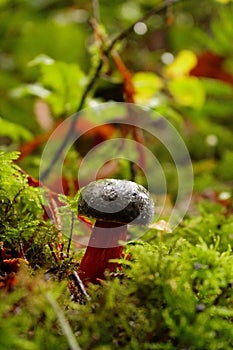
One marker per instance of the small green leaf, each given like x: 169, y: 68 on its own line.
x: 14, y: 131
x: 188, y: 91
x: 60, y: 84
x: 41, y: 59
x: 65, y: 81
x: 182, y: 65
x: 146, y: 84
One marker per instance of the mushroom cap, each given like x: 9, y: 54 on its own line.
x: 118, y: 201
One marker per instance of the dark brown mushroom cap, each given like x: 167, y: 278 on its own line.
x: 118, y: 201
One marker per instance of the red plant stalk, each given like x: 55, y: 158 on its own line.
x: 103, y: 246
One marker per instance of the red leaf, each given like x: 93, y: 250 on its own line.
x: 211, y: 65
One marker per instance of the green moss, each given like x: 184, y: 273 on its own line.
x: 175, y: 293
x: 23, y: 231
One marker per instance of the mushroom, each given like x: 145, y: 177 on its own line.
x: 113, y: 204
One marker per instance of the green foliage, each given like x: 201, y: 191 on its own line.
x: 222, y: 29
x: 175, y: 294
x: 188, y: 92
x: 27, y: 30
x: 30, y: 314
x: 22, y: 229
x: 176, y: 288
x: 224, y: 168
x: 15, y: 132
x: 147, y: 85
x: 60, y: 85
x: 65, y: 81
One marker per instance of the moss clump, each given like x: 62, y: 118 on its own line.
x: 174, y: 294
x: 23, y: 231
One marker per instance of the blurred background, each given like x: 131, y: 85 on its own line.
x: 180, y: 63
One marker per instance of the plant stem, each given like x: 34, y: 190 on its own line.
x: 71, y: 339
x: 103, y: 246
x: 71, y: 233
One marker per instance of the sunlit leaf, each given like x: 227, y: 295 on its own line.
x: 188, y: 91
x: 182, y: 64
x: 146, y: 85
x: 224, y: 1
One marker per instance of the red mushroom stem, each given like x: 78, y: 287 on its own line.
x: 103, y: 246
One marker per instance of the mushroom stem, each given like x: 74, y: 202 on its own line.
x: 103, y: 246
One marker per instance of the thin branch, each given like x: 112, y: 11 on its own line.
x: 96, y: 10
x: 152, y: 12
x: 53, y: 253
x: 71, y: 233
x: 79, y: 284
x: 90, y: 85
